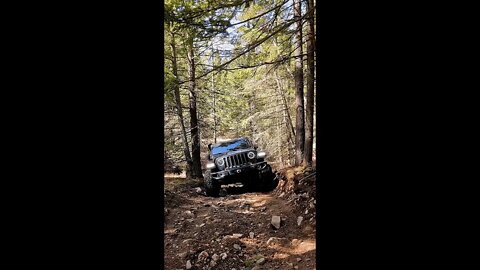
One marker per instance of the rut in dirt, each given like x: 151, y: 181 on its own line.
x: 235, y: 231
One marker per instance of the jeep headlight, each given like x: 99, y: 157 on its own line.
x: 210, y: 165
x: 251, y: 155
x: 261, y: 154
x: 220, y: 162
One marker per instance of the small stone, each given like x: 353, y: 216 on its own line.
x: 213, y: 263
x: 237, y: 235
x: 236, y: 246
x: 215, y: 257
x: 261, y: 261
x: 201, y: 225
x: 299, y: 259
x: 299, y: 220
x: 203, y: 255
x: 296, y: 267
x: 182, y: 255
x: 198, y: 190
x: 223, y: 256
x: 189, y: 213
x: 251, y: 234
x: 189, y: 264
x: 278, y: 240
x: 276, y: 222
x: 306, y: 212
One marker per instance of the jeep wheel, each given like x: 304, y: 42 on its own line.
x: 267, y: 181
x: 212, y: 187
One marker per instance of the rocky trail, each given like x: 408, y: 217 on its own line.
x: 238, y: 230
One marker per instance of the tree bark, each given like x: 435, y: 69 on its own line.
x: 285, y: 105
x: 300, y: 120
x: 310, y: 85
x: 186, y: 150
x: 195, y: 131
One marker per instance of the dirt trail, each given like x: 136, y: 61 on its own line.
x: 216, y: 233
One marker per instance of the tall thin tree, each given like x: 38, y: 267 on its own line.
x: 310, y: 84
x: 194, y: 129
x: 300, y: 120
x: 178, y: 103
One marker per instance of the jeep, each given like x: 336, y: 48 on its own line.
x: 237, y: 161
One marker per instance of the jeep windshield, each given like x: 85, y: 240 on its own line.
x: 225, y: 147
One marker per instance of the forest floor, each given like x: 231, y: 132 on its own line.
x: 234, y: 231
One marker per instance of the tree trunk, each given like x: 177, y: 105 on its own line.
x: 300, y: 121
x: 195, y: 131
x: 214, y: 113
x: 310, y: 85
x: 186, y: 150
x: 285, y: 105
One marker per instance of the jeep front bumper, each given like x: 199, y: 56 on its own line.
x: 258, y: 167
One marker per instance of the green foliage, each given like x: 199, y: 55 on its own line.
x: 248, y: 101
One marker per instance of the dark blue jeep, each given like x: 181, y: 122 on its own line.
x: 237, y: 161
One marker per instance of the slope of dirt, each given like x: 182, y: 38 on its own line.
x: 234, y: 231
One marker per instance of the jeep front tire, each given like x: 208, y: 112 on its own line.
x: 212, y: 187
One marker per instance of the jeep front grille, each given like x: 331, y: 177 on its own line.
x: 236, y: 160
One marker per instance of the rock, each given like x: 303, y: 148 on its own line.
x: 306, y: 212
x: 187, y: 240
x: 237, y: 235
x: 203, y: 255
x: 223, y: 256
x: 296, y: 267
x: 299, y: 220
x: 189, y: 213
x: 276, y: 222
x: 201, y: 225
x: 215, y: 257
x: 183, y: 255
x: 189, y: 264
x: 299, y: 259
x: 236, y: 246
x: 256, y: 268
x: 261, y: 261
x: 277, y: 240
x: 213, y: 263
x: 251, y: 234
